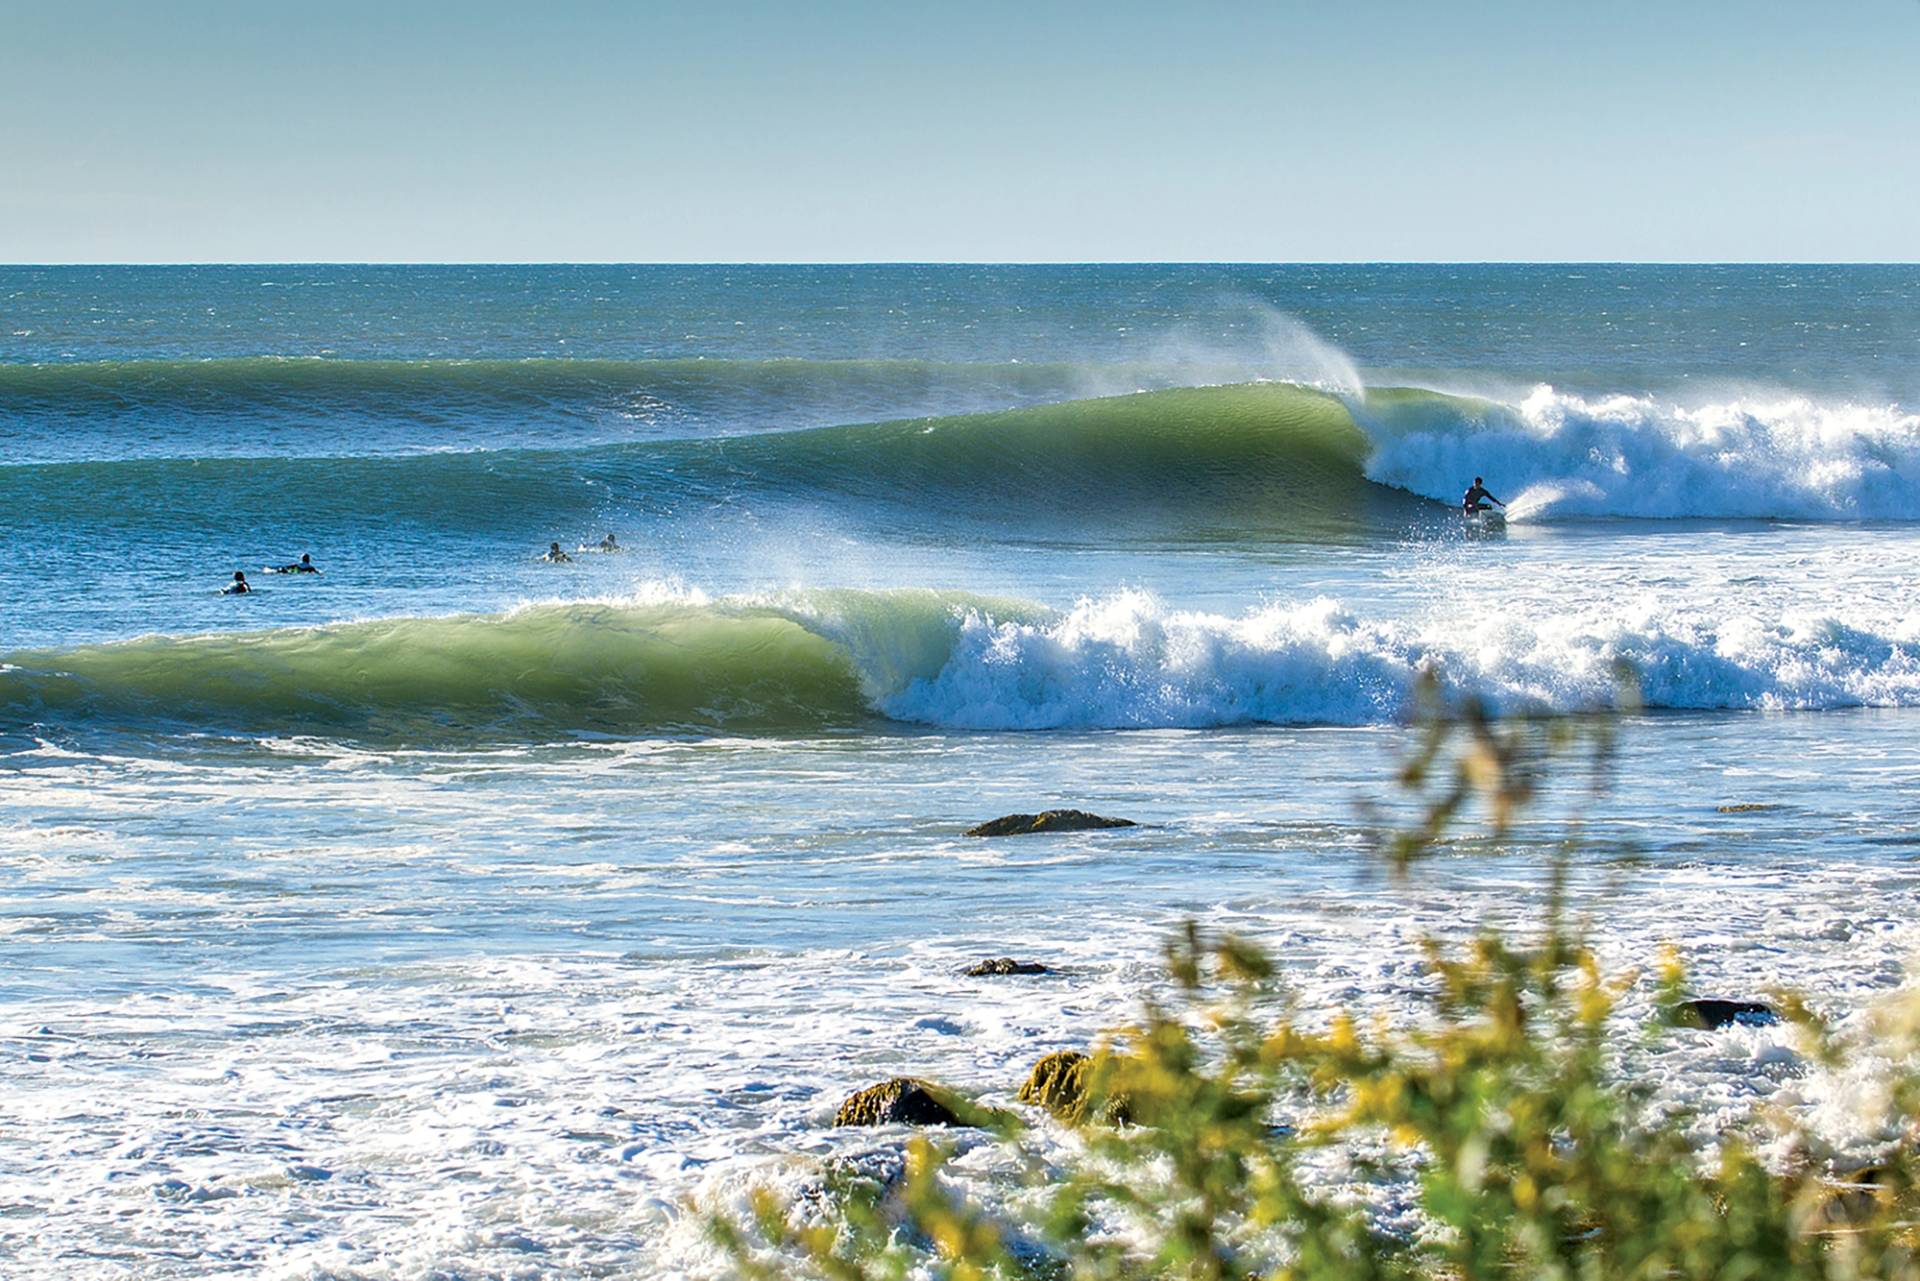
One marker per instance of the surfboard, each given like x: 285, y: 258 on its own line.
x: 1485, y: 521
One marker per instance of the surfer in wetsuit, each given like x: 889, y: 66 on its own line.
x: 608, y: 544
x: 304, y: 565
x: 555, y: 556
x: 238, y: 587
x: 1478, y: 495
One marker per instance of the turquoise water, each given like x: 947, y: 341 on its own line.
x: 451, y: 912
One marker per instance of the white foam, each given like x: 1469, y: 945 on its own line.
x: 1624, y: 455
x: 424, y: 1008
x: 1128, y: 661
x: 1632, y: 456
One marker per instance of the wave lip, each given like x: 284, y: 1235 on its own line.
x: 313, y: 406
x: 823, y: 661
x: 228, y: 382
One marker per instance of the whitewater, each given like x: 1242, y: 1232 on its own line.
x: 1635, y: 455
x: 452, y: 912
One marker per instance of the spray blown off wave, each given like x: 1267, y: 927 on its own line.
x: 849, y: 659
x: 1556, y: 454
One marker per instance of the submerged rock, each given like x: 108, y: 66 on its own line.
x: 1047, y: 821
x: 903, y: 1100
x: 1710, y: 1013
x: 1062, y: 1083
x: 1000, y: 965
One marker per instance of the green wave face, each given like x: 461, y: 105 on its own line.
x: 1194, y: 431
x: 547, y: 671
x: 1271, y: 459
x: 796, y: 662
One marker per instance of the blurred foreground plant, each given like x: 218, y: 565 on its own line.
x: 1523, y: 1153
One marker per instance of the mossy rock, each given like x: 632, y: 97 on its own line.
x: 903, y: 1100
x: 1048, y: 821
x: 1003, y: 965
x: 1062, y: 1083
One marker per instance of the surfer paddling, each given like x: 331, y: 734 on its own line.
x: 1477, y: 497
x: 555, y: 556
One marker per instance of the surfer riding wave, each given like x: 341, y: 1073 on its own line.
x: 1476, y: 498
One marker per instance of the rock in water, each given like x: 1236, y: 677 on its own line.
x: 1710, y: 1013
x: 1047, y: 821
x: 1061, y: 1083
x: 1058, y: 1083
x: 904, y: 1100
x: 1003, y: 965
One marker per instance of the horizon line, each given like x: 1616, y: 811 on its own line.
x: 970, y: 262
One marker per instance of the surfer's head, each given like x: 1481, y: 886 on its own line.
x: 239, y: 576
x: 1478, y: 481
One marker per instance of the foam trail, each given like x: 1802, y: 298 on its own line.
x: 1558, y: 454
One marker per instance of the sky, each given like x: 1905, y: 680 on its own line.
x: 847, y: 130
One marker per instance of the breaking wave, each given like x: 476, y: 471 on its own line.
x: 675, y: 661
x: 1554, y: 454
x: 1276, y: 458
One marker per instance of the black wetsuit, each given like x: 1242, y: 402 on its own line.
x: 1476, y: 495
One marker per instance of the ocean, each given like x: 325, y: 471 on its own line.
x: 454, y: 913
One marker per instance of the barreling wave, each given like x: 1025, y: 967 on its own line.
x: 1276, y: 458
x: 851, y: 660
